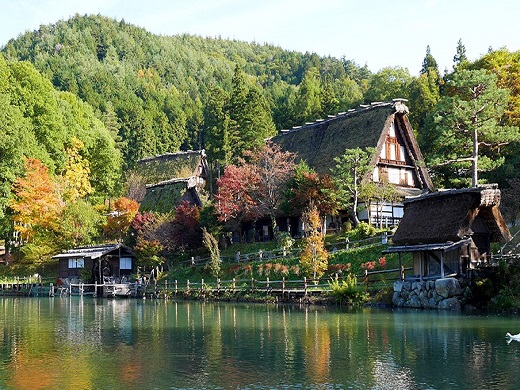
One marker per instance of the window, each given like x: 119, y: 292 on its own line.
x: 393, y: 175
x: 77, y: 263
x: 392, y: 130
x: 125, y: 263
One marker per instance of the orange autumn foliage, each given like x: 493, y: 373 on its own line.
x: 37, y: 203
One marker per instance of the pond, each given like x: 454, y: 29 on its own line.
x: 96, y: 343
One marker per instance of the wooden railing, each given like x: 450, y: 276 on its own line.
x: 284, y: 252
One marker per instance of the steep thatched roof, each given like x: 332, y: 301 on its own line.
x: 166, y: 196
x: 320, y: 142
x: 180, y: 165
x: 446, y: 216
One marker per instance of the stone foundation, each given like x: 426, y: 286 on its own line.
x: 444, y: 294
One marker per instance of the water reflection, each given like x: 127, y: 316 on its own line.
x: 99, y: 343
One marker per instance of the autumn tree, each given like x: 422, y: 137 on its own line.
x: 76, y: 176
x: 464, y: 132
x: 120, y: 218
x: 273, y: 168
x: 307, y: 189
x: 235, y: 199
x: 314, y: 256
x: 37, y: 205
x: 185, y: 227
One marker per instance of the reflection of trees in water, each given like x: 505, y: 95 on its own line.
x: 126, y: 342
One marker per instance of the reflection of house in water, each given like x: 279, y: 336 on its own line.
x: 172, y: 178
x: 383, y: 126
x: 450, y: 232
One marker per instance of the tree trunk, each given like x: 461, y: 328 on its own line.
x: 474, y: 162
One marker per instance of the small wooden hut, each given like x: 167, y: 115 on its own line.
x: 98, y: 262
x: 450, y: 232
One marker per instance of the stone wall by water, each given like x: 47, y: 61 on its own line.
x: 445, y: 294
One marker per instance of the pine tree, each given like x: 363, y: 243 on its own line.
x: 460, y: 57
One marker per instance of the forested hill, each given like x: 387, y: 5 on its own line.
x: 160, y: 87
x: 158, y: 94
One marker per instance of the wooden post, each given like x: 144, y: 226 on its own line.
x: 305, y: 285
x: 233, y: 284
x: 218, y: 286
x: 267, y: 284
x: 176, y: 286
x: 166, y: 288
x: 202, y: 285
x: 442, y: 265
x: 188, y: 285
x: 401, y: 269
x: 283, y: 285
x: 252, y: 284
x: 51, y: 290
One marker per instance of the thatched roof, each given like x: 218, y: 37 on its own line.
x: 449, y: 216
x: 320, y: 142
x: 180, y: 165
x: 166, y: 196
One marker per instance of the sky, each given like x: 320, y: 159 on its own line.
x: 379, y: 34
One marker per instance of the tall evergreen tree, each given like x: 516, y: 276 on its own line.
x: 308, y: 103
x: 429, y: 62
x: 460, y: 56
x: 465, y: 133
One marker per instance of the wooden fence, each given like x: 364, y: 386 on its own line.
x: 292, y: 252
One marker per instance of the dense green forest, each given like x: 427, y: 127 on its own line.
x: 97, y: 93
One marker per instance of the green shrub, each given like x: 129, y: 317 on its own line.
x: 348, y: 291
x: 284, y: 240
x: 363, y: 230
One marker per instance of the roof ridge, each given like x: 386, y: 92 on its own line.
x: 201, y: 152
x: 344, y: 114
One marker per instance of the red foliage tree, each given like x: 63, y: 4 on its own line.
x: 273, y: 168
x: 236, y: 196
x: 185, y: 227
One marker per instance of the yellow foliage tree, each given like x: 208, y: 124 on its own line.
x: 76, y: 176
x: 314, y: 257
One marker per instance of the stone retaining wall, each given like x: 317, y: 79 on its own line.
x: 445, y: 294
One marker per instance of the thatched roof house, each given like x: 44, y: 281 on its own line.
x: 383, y: 126
x: 172, y: 178
x: 450, y: 230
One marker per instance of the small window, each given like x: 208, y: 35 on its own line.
x: 125, y: 263
x: 391, y: 132
x: 77, y: 263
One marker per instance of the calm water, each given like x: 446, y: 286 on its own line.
x: 88, y: 343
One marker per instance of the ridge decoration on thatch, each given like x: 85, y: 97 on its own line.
x: 380, y: 125
x: 179, y: 165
